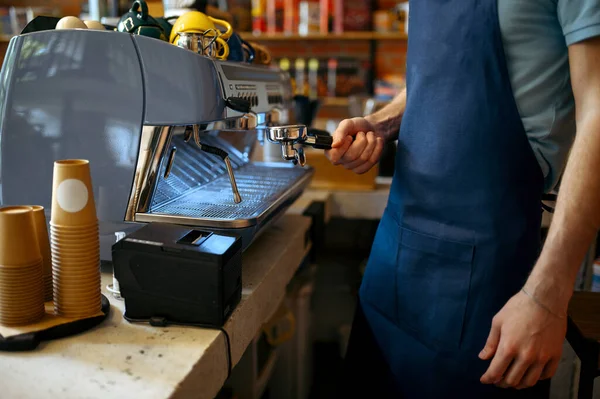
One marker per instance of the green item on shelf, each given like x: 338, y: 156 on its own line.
x: 139, y: 22
x: 166, y: 24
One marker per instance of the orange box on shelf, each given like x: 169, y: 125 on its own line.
x: 331, y: 177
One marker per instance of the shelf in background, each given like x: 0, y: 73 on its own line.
x: 330, y: 36
x: 5, y: 38
x: 335, y: 101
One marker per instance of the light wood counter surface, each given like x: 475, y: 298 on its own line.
x: 121, y: 360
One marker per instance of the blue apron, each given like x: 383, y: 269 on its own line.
x: 461, y: 230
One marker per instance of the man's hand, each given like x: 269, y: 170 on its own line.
x: 357, y: 146
x: 525, y: 344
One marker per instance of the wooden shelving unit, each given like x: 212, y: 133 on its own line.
x: 330, y: 36
x: 335, y: 101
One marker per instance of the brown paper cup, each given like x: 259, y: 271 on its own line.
x: 85, y: 232
x: 15, y: 287
x: 85, y: 289
x: 18, y: 240
x: 67, y: 253
x: 76, y: 277
x: 81, y: 278
x: 70, y: 228
x: 75, y: 265
x: 72, y: 264
x: 92, y: 242
x: 76, y: 281
x: 30, y: 298
x: 80, y: 270
x: 22, y: 319
x: 21, y: 289
x: 75, y: 242
x: 41, y: 230
x: 22, y: 301
x: 66, y: 239
x: 76, y: 314
x: 22, y: 304
x: 76, y: 301
x: 61, y: 257
x: 21, y: 293
x: 32, y: 276
x: 67, y: 265
x: 89, y: 307
x: 70, y: 304
x: 28, y: 270
x: 72, y: 195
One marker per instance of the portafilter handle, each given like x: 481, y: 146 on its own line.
x: 319, y: 139
x: 290, y: 135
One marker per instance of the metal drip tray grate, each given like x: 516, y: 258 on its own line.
x: 262, y: 187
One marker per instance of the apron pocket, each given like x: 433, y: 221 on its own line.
x: 432, y: 280
x: 378, y: 287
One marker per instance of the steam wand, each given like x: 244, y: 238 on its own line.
x: 237, y: 198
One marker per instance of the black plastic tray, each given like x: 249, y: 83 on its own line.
x: 30, y: 341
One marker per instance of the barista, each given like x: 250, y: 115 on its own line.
x: 458, y: 299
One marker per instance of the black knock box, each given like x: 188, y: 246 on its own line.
x: 175, y: 274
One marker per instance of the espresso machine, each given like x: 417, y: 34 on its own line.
x: 169, y: 133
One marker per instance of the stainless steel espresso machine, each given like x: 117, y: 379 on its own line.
x: 169, y: 133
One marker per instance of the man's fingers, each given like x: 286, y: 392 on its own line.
x: 365, y: 167
x: 532, y: 376
x: 335, y: 154
x: 356, y: 149
x: 377, y: 151
x: 492, y: 342
x: 502, y: 359
x: 514, y: 375
x: 549, y: 369
x: 349, y: 127
x: 343, y: 130
x: 365, y: 156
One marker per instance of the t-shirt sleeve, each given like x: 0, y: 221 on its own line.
x: 580, y: 19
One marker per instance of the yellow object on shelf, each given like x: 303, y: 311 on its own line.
x: 281, y: 327
x: 331, y: 177
x: 197, y: 22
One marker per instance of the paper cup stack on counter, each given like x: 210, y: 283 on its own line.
x: 41, y: 231
x: 74, y: 239
x: 21, y: 268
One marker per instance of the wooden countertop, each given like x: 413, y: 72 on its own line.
x: 122, y: 360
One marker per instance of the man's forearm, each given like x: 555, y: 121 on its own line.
x: 575, y: 223
x: 387, y: 120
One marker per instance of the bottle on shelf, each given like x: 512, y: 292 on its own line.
x: 332, y: 65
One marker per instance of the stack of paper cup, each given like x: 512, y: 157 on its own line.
x: 21, y: 273
x: 41, y: 230
x: 74, y: 240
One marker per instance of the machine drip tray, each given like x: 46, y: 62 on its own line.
x: 263, y: 187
